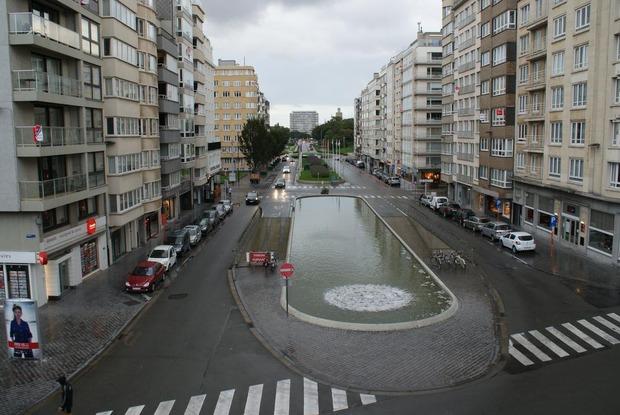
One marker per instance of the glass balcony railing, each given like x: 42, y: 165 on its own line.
x: 50, y: 189
x: 52, y: 137
x: 28, y: 23
x: 31, y: 80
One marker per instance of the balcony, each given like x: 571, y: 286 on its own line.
x: 168, y: 106
x: 528, y: 172
x: 463, y: 112
x: 464, y: 134
x: 466, y: 66
x: 25, y: 26
x: 538, y: 16
x: 56, y: 141
x: 535, y: 112
x: 465, y: 21
x: 537, y: 81
x: 461, y: 178
x: 465, y: 156
x: 467, y: 43
x: 467, y: 89
x: 538, y: 51
x: 30, y: 85
x: 535, y: 144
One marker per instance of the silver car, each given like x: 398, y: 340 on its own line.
x: 495, y: 230
x: 475, y: 223
x: 195, y: 234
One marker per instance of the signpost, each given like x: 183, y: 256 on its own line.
x: 553, y: 223
x: 498, y: 205
x: 287, y: 270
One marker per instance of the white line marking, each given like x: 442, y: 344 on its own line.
x: 252, y: 403
x: 223, y: 403
x: 134, y: 410
x: 104, y: 413
x: 608, y: 324
x: 283, y: 394
x: 401, y: 211
x: 195, y: 405
x: 403, y: 197
x: 164, y: 408
x: 311, y: 397
x: 367, y: 399
x: 599, y: 332
x: 567, y: 340
x: 339, y: 399
x: 524, y: 360
x: 583, y: 336
x: 614, y: 316
x: 548, y: 343
x: 542, y: 356
x: 518, y: 259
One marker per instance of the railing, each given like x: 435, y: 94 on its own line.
x: 28, y: 23
x: 540, y: 48
x: 465, y: 21
x: 467, y: 43
x: 52, y: 137
x: 536, y: 142
x: 465, y: 134
x: 96, y: 179
x: 467, y: 89
x: 538, y: 14
x: 538, y: 78
x: 31, y: 80
x: 467, y: 66
x: 466, y: 111
x: 536, y: 111
x: 464, y: 179
x: 504, y: 184
x: 465, y: 156
x: 94, y: 135
x: 49, y: 189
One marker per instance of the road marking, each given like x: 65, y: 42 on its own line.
x: 583, y: 336
x: 164, y: 408
x: 195, y: 405
x: 104, y: 413
x: 608, y: 324
x: 311, y: 397
x: 401, y: 211
x: 614, y: 316
x: 525, y: 361
x: 135, y: 410
x: 283, y: 394
x: 339, y: 399
x: 598, y: 332
x: 404, y: 197
x: 367, y: 399
x: 519, y: 259
x: 548, y: 343
x: 542, y: 356
x: 224, y: 402
x: 252, y: 403
x: 570, y: 343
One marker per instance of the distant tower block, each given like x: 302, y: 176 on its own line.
x: 339, y: 113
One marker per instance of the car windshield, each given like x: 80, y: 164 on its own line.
x: 158, y: 253
x: 251, y: 195
x: 525, y: 237
x: 178, y: 240
x: 143, y: 271
x: 503, y: 227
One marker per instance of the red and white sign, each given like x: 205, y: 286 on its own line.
x: 42, y: 258
x: 499, y: 111
x: 257, y: 257
x: 287, y: 270
x: 91, y: 226
x: 37, y: 133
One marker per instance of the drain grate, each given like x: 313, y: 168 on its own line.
x: 179, y: 296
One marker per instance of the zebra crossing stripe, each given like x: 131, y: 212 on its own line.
x: 283, y: 395
x: 570, y: 343
x: 524, y: 360
x: 135, y: 410
x: 339, y: 399
x: 164, y: 408
x: 252, y: 404
x: 608, y: 324
x: 367, y: 399
x: 224, y: 402
x: 311, y: 397
x: 104, y: 413
x: 195, y: 405
x: 548, y: 343
x: 614, y: 316
x: 542, y: 356
x: 599, y: 332
x: 583, y: 336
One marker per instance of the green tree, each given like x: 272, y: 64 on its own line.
x: 335, y: 129
x: 260, y: 144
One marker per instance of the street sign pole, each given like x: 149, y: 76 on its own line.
x: 286, y: 298
x: 286, y: 271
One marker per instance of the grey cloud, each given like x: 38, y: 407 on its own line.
x: 227, y: 11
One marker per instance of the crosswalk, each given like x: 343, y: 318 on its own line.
x: 566, y: 340
x: 386, y: 197
x: 309, y: 186
x: 255, y: 401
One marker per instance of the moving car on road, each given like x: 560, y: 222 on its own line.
x: 474, y: 223
x: 286, y: 169
x: 195, y: 234
x: 518, y: 241
x: 165, y: 255
x: 145, y: 277
x: 252, y: 198
x: 280, y: 184
x: 494, y: 230
x: 449, y: 210
x: 180, y: 240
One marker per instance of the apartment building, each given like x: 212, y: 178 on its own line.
x: 567, y: 162
x: 264, y: 107
x: 357, y: 127
x: 303, y: 121
x: 236, y: 101
x: 372, y: 126
x: 448, y: 169
x: 53, y: 188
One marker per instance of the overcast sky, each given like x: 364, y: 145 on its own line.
x: 315, y: 54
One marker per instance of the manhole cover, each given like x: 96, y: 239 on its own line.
x: 177, y: 296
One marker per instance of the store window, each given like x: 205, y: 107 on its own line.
x: 18, y: 281
x: 545, y: 212
x: 88, y: 255
x: 601, y: 231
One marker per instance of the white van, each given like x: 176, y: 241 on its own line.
x: 438, y: 201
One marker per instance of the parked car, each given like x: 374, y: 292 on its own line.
x: 449, y: 209
x: 252, y: 198
x: 425, y: 200
x: 360, y: 164
x: 195, y: 234
x: 375, y: 172
x: 205, y: 225
x: 221, y: 211
x: 165, y: 255
x: 280, y: 184
x: 518, y: 241
x: 145, y: 277
x: 286, y: 169
x: 214, y: 219
x: 437, y: 202
x: 474, y: 223
x: 180, y: 240
x: 227, y: 204
x: 494, y: 230
x: 393, y: 181
x: 462, y: 215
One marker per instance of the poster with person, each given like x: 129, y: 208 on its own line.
x: 22, y: 329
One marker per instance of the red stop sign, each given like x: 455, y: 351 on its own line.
x: 287, y: 270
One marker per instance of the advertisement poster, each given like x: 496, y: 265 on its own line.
x: 22, y: 329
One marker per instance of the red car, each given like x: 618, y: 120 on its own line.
x: 145, y: 277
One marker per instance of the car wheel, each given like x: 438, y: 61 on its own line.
x: 514, y: 250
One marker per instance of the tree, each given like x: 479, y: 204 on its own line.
x: 259, y: 144
x: 335, y: 129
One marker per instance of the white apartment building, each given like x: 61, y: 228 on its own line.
x: 303, y: 121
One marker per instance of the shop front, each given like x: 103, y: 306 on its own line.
x: 20, y: 277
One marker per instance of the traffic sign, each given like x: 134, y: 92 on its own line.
x: 287, y: 270
x: 554, y: 222
x: 498, y: 203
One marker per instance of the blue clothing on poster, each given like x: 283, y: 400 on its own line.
x: 20, y: 332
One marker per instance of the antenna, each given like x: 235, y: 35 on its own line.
x: 420, y: 27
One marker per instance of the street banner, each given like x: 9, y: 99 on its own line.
x: 257, y: 257
x: 22, y: 329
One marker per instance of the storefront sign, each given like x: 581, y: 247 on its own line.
x: 42, y: 258
x: 8, y: 257
x: 91, y: 226
x: 70, y: 235
x: 22, y: 329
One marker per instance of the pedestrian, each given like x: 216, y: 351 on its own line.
x: 229, y: 192
x: 66, y: 397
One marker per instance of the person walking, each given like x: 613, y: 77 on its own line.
x: 66, y: 400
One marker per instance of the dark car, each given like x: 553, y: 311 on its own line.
x: 280, y: 184
x: 252, y: 198
x: 205, y: 225
x: 449, y: 210
x: 145, y: 277
x: 462, y: 215
x: 214, y: 219
x: 180, y: 240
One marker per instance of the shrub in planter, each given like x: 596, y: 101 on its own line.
x: 319, y: 170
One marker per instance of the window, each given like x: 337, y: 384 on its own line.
x: 582, y: 17
x: 601, y: 231
x: 501, y: 178
x: 578, y: 132
x: 580, y: 94
x: 484, y: 144
x: 522, y: 108
x: 556, y: 132
x: 87, y: 208
x: 614, y: 175
x: 554, y: 166
x: 484, y: 58
x: 122, y: 126
x: 120, y: 12
x: 54, y: 218
x: 557, y: 98
x: 575, y: 171
x: 559, y: 27
x: 499, y: 54
x: 485, y: 29
x: 124, y: 164
x: 581, y: 57
x: 617, y: 38
x: 120, y: 88
x: 125, y: 201
x: 93, y: 119
x: 524, y: 73
x: 505, y: 21
x: 499, y: 85
x: 483, y: 172
x: 558, y: 64
x: 617, y: 91
x: 524, y: 14
x: 501, y: 147
x: 498, y: 117
x: 521, y: 132
x: 92, y: 81
x: 114, y: 48
x: 520, y: 160
x: 90, y: 37
x: 615, y: 133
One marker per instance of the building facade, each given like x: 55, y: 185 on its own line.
x: 303, y: 121
x: 567, y: 162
